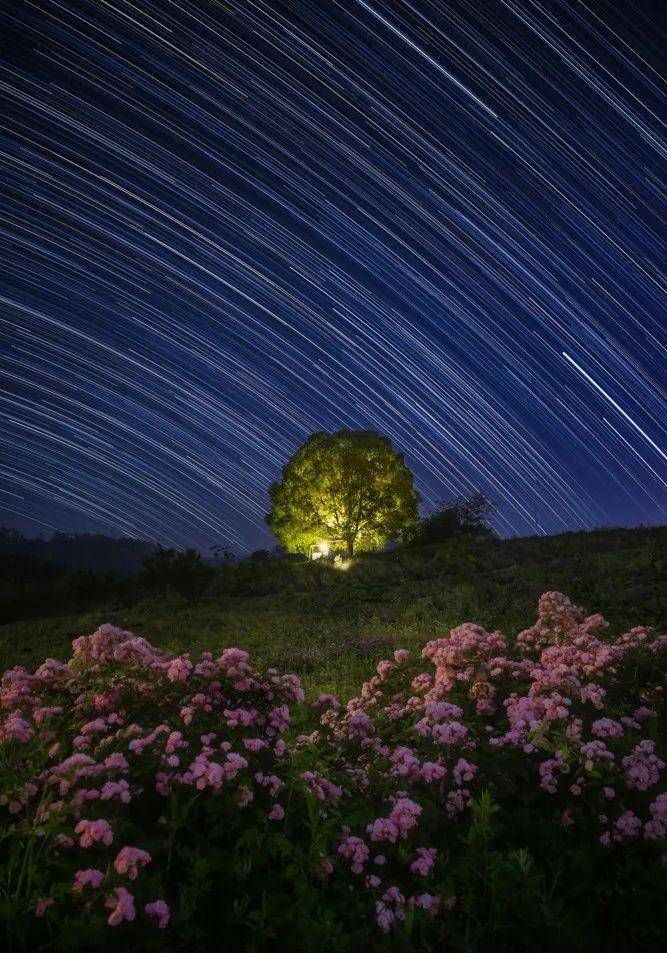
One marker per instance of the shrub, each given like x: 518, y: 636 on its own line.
x: 493, y: 795
x: 183, y: 572
x: 466, y: 516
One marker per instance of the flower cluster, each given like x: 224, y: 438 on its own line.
x: 531, y: 721
x: 115, y: 763
x: 111, y: 742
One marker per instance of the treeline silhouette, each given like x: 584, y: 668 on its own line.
x: 31, y: 587
x: 68, y: 572
x: 89, y: 551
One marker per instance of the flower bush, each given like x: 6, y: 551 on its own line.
x: 492, y: 794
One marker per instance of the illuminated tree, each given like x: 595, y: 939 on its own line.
x: 349, y: 487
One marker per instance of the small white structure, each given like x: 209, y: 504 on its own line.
x: 333, y: 550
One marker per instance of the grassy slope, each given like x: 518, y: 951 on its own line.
x: 321, y: 622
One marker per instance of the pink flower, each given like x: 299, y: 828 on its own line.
x: 280, y: 718
x: 594, y: 694
x: 321, y: 787
x: 383, y: 829
x: 642, y: 766
x: 385, y: 668
x: 359, y: 725
x: 15, y: 728
x: 657, y: 827
x: 116, y: 761
x: 179, y: 669
x: 245, y: 796
x: 566, y: 819
x: 390, y: 909
x: 457, y: 801
x: 233, y: 764
x: 130, y: 859
x: 593, y: 752
x: 402, y: 819
x: 355, y: 850
x: 628, y: 825
x: 607, y: 728
x: 450, y: 733
x: 428, y: 902
x: 94, y: 831
x: 270, y: 781
x: 119, y: 789
x: 43, y: 905
x: 122, y: 907
x: 425, y: 860
x: 234, y: 662
x: 90, y: 877
x: 404, y: 815
x: 431, y: 772
x: 406, y: 763
x: 536, y: 707
x: 159, y: 910
x: 174, y: 742
x: 206, y: 773
x: 547, y: 770
x: 254, y: 744
x: 464, y: 771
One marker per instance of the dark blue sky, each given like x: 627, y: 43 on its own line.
x: 226, y: 226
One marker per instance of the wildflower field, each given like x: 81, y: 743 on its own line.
x: 489, y: 792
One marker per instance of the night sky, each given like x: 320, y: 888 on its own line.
x: 224, y: 226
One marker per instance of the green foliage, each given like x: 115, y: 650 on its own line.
x: 312, y: 611
x: 180, y: 571
x: 509, y: 875
x: 522, y: 884
x: 351, y: 487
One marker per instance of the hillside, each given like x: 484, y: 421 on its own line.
x: 329, y: 626
x: 491, y: 795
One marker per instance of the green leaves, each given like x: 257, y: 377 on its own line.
x: 349, y: 488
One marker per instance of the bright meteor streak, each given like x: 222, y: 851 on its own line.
x: 615, y: 404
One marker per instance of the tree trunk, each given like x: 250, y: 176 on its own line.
x: 350, y: 548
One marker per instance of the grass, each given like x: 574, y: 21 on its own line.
x: 331, y: 626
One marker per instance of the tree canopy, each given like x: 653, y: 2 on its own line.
x: 350, y: 487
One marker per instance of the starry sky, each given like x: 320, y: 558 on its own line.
x: 226, y: 225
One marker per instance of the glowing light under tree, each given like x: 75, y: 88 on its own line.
x: 349, y: 490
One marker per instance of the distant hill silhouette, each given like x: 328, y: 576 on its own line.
x: 87, y: 551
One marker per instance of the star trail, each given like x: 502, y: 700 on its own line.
x: 226, y: 225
